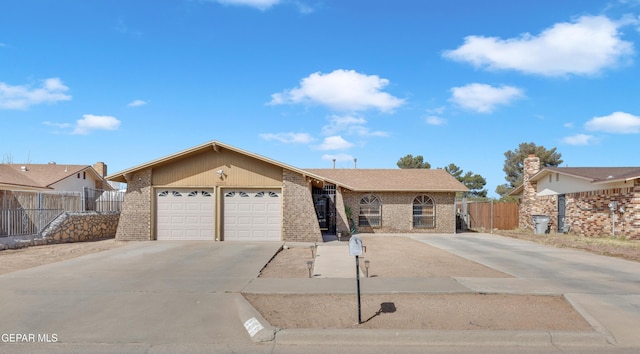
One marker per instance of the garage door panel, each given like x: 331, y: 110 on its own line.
x: 252, y: 215
x: 184, y: 214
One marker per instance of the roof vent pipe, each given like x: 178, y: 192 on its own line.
x: 355, y: 163
x: 334, y: 164
x: 23, y: 168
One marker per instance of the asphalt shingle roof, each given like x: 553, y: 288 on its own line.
x: 36, y: 175
x: 360, y: 179
x: 599, y: 174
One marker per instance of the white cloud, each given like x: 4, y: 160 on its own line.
x: 437, y: 110
x: 617, y: 122
x: 351, y: 124
x: 334, y: 143
x: 288, y: 138
x: 568, y: 125
x: 90, y: 122
x: 137, y: 103
x: 484, y: 98
x: 57, y: 125
x: 578, y: 139
x: 582, y: 47
x: 258, y: 4
x: 22, y: 97
x: 435, y: 120
x: 337, y: 157
x: 343, y: 90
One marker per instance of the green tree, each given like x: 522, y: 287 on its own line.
x: 474, y: 182
x: 514, y: 163
x: 454, y: 170
x: 413, y: 162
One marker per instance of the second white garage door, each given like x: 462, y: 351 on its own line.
x: 252, y: 215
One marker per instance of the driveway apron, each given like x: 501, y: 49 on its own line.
x: 149, y: 292
x: 605, y: 290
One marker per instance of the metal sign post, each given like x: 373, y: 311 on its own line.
x: 355, y: 249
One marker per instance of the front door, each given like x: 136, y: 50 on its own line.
x: 561, y: 212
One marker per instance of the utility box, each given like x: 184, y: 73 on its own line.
x: 540, y: 224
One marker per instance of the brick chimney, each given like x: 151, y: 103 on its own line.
x: 528, y: 203
x: 101, y: 168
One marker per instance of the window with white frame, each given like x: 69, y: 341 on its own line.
x: 424, y: 212
x: 370, y: 211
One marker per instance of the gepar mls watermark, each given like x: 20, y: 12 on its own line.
x: 29, y: 338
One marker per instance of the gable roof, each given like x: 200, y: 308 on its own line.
x: 595, y: 175
x: 214, y: 145
x: 397, y: 180
x: 38, y: 176
x: 354, y: 179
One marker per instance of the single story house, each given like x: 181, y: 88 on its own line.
x: 215, y: 191
x: 52, y: 177
x: 590, y: 201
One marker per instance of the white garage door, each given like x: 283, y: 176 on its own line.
x: 184, y: 214
x: 252, y: 215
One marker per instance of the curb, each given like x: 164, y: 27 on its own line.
x: 257, y: 327
x: 440, y: 338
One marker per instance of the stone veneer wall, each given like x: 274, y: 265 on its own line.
x: 528, y: 201
x: 78, y: 227
x: 397, y: 211
x: 135, y: 222
x: 300, y: 223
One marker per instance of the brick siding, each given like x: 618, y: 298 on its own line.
x: 586, y: 213
x: 135, y: 218
x: 300, y: 223
x: 397, y: 211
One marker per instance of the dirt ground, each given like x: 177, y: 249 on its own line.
x: 420, y: 311
x: 403, y: 257
x: 12, y: 260
x: 389, y: 257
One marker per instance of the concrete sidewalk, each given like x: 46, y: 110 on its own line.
x: 333, y: 261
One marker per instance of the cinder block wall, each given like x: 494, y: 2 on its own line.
x: 135, y: 221
x: 397, y: 211
x: 300, y: 223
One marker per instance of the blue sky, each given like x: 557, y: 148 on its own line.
x: 307, y: 81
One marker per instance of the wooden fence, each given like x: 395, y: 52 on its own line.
x: 487, y: 215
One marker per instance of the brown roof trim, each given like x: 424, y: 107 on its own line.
x: 215, y: 145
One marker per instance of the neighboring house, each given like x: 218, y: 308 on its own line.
x: 53, y: 177
x: 218, y: 192
x: 590, y: 201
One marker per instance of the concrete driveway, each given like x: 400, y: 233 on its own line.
x: 152, y: 295
x: 605, y: 290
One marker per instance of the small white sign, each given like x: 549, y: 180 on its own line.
x: 355, y: 246
x: 253, y: 326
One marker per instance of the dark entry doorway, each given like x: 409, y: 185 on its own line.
x: 562, y: 204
